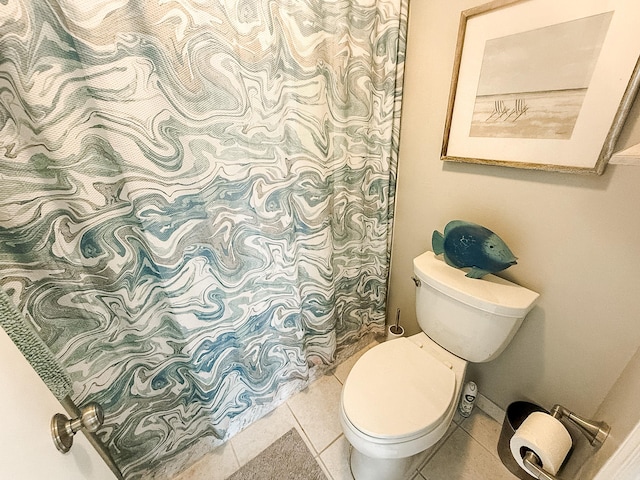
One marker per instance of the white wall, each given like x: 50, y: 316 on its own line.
x: 577, y: 238
x: 620, y: 411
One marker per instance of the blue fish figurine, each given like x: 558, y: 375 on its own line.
x: 466, y: 244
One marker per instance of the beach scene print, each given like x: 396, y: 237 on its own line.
x: 533, y: 84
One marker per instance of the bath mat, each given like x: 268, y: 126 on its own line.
x: 288, y: 458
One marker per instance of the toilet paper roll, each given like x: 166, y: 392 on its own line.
x: 546, y: 437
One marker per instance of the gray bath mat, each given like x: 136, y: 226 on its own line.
x: 288, y: 458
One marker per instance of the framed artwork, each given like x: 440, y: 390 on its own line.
x: 542, y: 84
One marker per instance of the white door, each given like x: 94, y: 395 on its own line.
x: 26, y: 407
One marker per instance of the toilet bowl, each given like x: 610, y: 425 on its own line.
x: 400, y: 397
x: 413, y: 407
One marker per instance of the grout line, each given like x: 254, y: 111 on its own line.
x: 490, y: 408
x: 235, y: 455
x: 303, y: 433
x: 233, y: 450
x: 493, y: 455
x: 310, y: 445
x: 445, y: 438
x: 332, y: 442
x: 324, y: 468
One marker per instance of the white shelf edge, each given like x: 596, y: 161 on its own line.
x: 629, y: 156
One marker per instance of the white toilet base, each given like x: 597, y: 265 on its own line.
x: 369, y: 468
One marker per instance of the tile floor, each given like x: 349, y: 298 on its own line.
x: 467, y: 452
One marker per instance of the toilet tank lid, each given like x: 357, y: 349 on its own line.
x: 490, y: 293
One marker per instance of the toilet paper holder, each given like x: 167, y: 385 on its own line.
x: 596, y: 433
x: 532, y: 465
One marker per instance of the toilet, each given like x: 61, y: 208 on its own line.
x: 400, y: 396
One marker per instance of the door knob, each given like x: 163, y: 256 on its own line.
x: 63, y: 429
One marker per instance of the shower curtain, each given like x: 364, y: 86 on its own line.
x: 197, y: 200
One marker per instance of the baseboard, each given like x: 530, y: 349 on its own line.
x: 490, y: 408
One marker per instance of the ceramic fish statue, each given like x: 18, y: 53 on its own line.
x: 466, y: 244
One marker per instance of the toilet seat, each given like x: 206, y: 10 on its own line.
x: 411, y: 389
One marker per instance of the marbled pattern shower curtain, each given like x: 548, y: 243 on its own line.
x: 196, y: 201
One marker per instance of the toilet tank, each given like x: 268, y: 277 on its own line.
x: 474, y: 319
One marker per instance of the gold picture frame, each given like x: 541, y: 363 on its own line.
x: 541, y: 84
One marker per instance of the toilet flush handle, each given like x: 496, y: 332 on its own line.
x: 417, y: 281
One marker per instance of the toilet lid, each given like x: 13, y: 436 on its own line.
x: 398, y: 389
